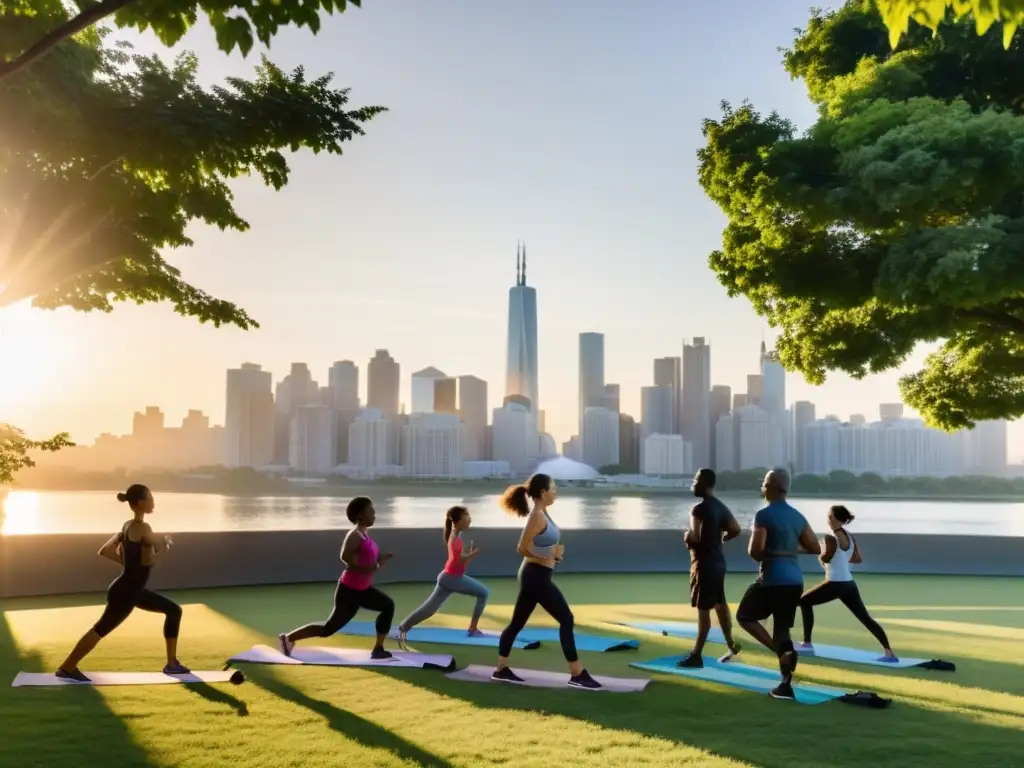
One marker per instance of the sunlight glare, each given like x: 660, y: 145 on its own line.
x: 18, y: 513
x: 34, y: 357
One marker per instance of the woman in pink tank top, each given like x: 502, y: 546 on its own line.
x: 361, y: 558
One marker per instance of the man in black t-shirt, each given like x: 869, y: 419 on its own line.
x: 711, y: 524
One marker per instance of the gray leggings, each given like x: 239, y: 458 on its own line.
x: 447, y: 585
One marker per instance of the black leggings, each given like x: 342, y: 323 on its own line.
x: 537, y: 588
x: 347, y: 602
x: 121, y: 602
x: 847, y: 592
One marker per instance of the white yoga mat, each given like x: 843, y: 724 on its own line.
x: 537, y: 678
x: 43, y: 679
x: 343, y: 657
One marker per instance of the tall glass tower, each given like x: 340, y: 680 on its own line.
x: 521, y: 367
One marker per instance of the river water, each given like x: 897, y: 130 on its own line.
x: 30, y: 512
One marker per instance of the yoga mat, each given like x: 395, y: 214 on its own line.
x: 583, y: 642
x: 748, y: 678
x: 537, y: 678
x: 830, y: 652
x: 442, y: 635
x: 42, y: 679
x: 342, y: 657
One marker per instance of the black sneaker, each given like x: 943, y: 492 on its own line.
x: 506, y: 675
x: 783, y: 690
x: 787, y: 663
x: 584, y: 680
x: 693, y: 661
x: 380, y: 653
x: 74, y: 675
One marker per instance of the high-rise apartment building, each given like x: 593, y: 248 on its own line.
x: 371, y: 442
x: 600, y: 437
x: 514, y: 436
x: 666, y: 456
x: 383, y: 377
x: 313, y: 440
x: 720, y: 401
x: 695, y: 419
x: 773, y: 375
x: 521, y: 372
x: 803, y: 416
x: 668, y: 372
x: 591, y: 373
x: 656, y: 411
x: 432, y: 445
x: 446, y: 396
x: 249, y: 419
x: 473, y: 412
x: 343, y: 381
x: 423, y: 389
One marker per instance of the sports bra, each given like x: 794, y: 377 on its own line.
x: 545, y: 541
x: 838, y: 568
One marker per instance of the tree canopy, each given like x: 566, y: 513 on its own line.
x: 108, y: 156
x: 896, y: 218
x: 899, y: 14
x: 237, y: 23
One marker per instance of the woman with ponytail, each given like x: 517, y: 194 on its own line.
x: 539, y: 545
x: 452, y: 579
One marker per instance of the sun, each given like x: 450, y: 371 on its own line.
x: 35, y: 352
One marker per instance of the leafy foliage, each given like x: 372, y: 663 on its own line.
x: 237, y: 23
x: 15, y: 450
x: 898, y: 15
x: 897, y: 218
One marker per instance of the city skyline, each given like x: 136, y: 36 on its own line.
x: 404, y: 243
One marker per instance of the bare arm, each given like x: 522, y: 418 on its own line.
x: 349, y: 549
x: 112, y: 549
x: 757, y: 543
x: 692, y: 537
x: 732, y: 528
x: 855, y: 558
x: 830, y: 550
x: 465, y: 556
x: 809, y: 543
x: 534, y: 525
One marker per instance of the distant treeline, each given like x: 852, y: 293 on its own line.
x: 841, y: 483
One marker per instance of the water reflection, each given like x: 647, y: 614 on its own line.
x: 26, y: 512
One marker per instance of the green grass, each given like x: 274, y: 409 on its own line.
x: 358, y: 717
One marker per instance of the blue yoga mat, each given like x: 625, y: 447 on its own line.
x: 830, y: 652
x: 443, y: 635
x: 743, y: 676
x: 583, y: 642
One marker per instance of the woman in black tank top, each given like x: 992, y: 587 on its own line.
x: 135, y: 547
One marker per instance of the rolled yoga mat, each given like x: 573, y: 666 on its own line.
x: 439, y: 635
x: 41, y: 679
x: 342, y: 657
x: 830, y: 652
x: 758, y: 680
x: 537, y: 678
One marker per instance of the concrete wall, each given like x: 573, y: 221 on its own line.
x: 63, y: 564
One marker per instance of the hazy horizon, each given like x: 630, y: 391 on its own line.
x: 574, y: 130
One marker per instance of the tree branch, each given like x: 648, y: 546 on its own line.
x: 53, y: 38
x: 1002, y: 319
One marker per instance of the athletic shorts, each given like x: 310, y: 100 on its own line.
x: 779, y: 602
x: 707, y: 587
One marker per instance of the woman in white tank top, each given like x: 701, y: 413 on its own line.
x: 840, y: 552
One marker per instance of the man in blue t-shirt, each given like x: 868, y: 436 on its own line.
x: 780, y: 535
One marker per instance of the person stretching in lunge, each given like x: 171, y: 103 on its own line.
x: 841, y: 551
x: 355, y: 590
x: 711, y: 524
x: 453, y: 579
x: 540, y: 549
x: 780, y: 534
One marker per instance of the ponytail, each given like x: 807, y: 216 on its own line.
x: 516, y: 501
x: 453, y: 516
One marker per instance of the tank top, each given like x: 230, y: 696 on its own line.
x: 454, y: 566
x: 838, y: 568
x: 134, y: 571
x: 366, y: 555
x: 545, y: 541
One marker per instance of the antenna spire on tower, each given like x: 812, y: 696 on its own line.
x: 524, y: 265
x: 518, y: 247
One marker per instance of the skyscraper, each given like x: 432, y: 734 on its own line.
x: 600, y: 437
x: 473, y: 412
x: 721, y: 404
x: 521, y: 376
x: 446, y: 395
x: 343, y: 380
x: 591, y: 363
x: 423, y: 386
x: 668, y: 373
x: 313, y: 439
x: 695, y: 419
x: 773, y: 397
x: 249, y: 417
x: 803, y: 417
x: 383, y: 378
x: 655, y: 411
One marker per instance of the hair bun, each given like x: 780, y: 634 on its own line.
x: 122, y: 497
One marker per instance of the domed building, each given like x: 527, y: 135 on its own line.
x: 565, y: 469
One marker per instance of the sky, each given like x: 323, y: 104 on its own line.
x: 572, y: 127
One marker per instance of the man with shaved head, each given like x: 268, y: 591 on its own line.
x: 780, y: 535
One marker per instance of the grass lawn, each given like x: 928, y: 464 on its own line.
x: 315, y: 717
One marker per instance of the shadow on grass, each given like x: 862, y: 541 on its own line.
x: 217, y: 696
x: 35, y: 720
x: 350, y: 725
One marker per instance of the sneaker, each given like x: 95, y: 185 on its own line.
x: 734, y: 651
x: 177, y: 668
x: 784, y: 691
x: 74, y: 675
x: 379, y: 653
x: 475, y: 633
x: 584, y: 680
x: 693, y: 661
x: 506, y: 675
x: 285, y: 645
x: 807, y: 648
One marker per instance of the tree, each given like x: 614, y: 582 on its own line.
x: 898, y: 15
x: 109, y: 156
x: 237, y: 23
x: 15, y: 450
x: 897, y: 218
